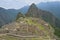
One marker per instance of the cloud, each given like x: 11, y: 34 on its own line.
x: 38, y: 1
x: 20, y: 3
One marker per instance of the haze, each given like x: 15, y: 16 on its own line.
x: 16, y: 4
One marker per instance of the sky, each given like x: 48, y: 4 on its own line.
x: 16, y: 4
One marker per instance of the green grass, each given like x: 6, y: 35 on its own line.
x: 8, y: 38
x: 57, y: 32
x: 17, y: 38
x: 30, y: 22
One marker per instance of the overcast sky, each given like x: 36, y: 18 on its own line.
x: 16, y: 4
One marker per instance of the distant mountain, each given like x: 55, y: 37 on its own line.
x: 53, y: 7
x: 23, y: 9
x: 44, y: 6
x: 7, y: 15
x: 48, y: 17
x: 4, y: 17
x: 10, y: 14
x: 37, y: 22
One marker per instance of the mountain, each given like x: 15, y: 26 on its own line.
x: 23, y: 9
x: 48, y: 17
x: 53, y: 7
x: 27, y: 28
x: 7, y: 15
x: 36, y: 24
x: 4, y: 17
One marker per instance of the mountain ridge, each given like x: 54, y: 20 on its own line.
x: 46, y: 16
x: 52, y: 7
x: 35, y: 22
x: 35, y: 12
x: 30, y: 28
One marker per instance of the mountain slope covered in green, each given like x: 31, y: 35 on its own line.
x: 46, y: 16
x: 36, y: 24
x: 27, y: 28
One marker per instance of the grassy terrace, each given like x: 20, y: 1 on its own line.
x: 33, y: 22
x: 29, y: 21
x: 17, y: 38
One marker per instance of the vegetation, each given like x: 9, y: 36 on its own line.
x: 46, y: 16
x: 19, y: 15
x: 16, y: 38
x: 57, y: 32
x: 36, y: 23
x: 35, y: 27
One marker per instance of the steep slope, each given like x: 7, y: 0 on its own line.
x: 7, y: 15
x: 4, y: 17
x: 28, y: 28
x: 53, y: 7
x: 45, y: 15
x: 12, y: 13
